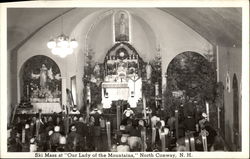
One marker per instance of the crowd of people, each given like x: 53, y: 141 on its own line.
x: 78, y: 132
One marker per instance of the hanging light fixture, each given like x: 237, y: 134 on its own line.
x: 62, y: 45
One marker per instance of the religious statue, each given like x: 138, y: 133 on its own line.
x: 122, y: 27
x: 43, y: 76
x: 97, y: 70
x: 148, y: 71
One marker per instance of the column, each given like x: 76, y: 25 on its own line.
x: 108, y: 134
x: 176, y: 124
x: 163, y: 88
x: 118, y: 113
x: 64, y: 94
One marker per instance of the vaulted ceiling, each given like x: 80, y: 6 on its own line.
x: 220, y: 26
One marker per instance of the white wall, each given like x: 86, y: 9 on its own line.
x: 150, y: 28
x: 230, y: 60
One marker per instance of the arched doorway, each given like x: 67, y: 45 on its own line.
x: 191, y: 80
x: 236, y: 135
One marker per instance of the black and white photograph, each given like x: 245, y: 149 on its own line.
x: 118, y: 79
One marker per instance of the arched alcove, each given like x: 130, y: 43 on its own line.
x: 40, y: 77
x: 190, y: 79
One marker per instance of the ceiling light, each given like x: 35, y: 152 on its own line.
x: 62, y: 45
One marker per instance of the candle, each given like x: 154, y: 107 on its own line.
x: 156, y: 89
x: 204, y: 142
x: 27, y: 87
x: 144, y: 106
x: 192, y: 143
x: 143, y: 137
x: 74, y: 144
x: 108, y: 134
x: 218, y: 110
x: 166, y: 131
x: 187, y: 144
x: 163, y: 142
x: 37, y: 128
x: 31, y: 128
x: 153, y: 135
x: 118, y: 113
x: 207, y: 110
x: 217, y: 63
x: 176, y: 124
x: 23, y: 135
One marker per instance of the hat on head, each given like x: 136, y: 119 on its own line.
x: 122, y: 127
x: 123, y: 139
x: 75, y: 118
x: 128, y: 113
x: 27, y: 126
x: 50, y: 132
x: 73, y: 128
x: 62, y: 140
x: 204, y: 115
x: 32, y: 140
x: 81, y: 119
x: 57, y: 129
x: 162, y: 123
x: 141, y: 122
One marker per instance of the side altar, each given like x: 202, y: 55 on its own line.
x: 41, y: 88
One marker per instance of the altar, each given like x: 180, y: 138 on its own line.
x: 42, y: 87
x: 47, y: 108
x: 122, y: 76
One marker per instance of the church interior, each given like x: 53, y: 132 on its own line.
x: 124, y: 79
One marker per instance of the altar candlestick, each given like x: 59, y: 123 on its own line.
x: 166, y: 131
x: 143, y: 137
x: 153, y: 135
x: 207, y: 110
x: 204, y: 142
x: 108, y: 134
x: 192, y: 143
x: 27, y: 87
x: 217, y: 63
x: 31, y: 128
x: 156, y: 89
x: 23, y: 135
x: 163, y: 142
x: 118, y: 113
x: 187, y: 144
x: 218, y: 110
x: 66, y: 124
x: 144, y: 106
x: 176, y: 124
x: 74, y: 144
x: 37, y: 128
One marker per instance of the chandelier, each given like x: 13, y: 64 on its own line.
x: 62, y: 45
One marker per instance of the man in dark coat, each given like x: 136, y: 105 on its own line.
x: 74, y: 140
x: 55, y: 138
